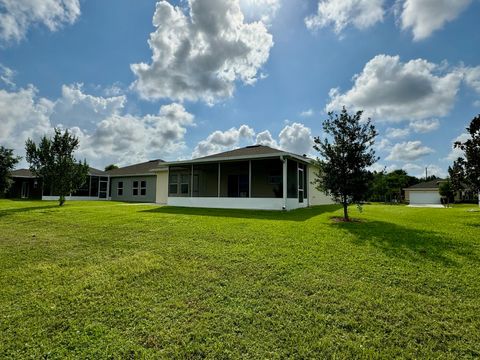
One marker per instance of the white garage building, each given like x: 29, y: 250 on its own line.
x: 425, y: 193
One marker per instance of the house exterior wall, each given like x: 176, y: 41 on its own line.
x: 33, y: 188
x: 316, y: 197
x: 162, y: 187
x: 128, y: 196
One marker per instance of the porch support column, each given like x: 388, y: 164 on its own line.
x: 191, y: 181
x: 249, y: 178
x: 284, y: 182
x: 218, y: 188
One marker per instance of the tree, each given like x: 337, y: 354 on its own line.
x: 446, y: 191
x: 7, y: 164
x: 456, y: 172
x: 111, y: 167
x: 471, y: 149
x: 343, y: 162
x: 53, y: 161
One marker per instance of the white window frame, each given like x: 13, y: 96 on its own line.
x: 119, y: 188
x: 143, y: 187
x: 135, y: 187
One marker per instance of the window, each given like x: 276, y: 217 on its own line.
x: 135, y: 188
x: 143, y: 188
x: 184, y: 183
x: 120, y: 188
x: 173, y: 187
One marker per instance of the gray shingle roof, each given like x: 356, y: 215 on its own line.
x: 28, y: 174
x: 136, y: 169
x: 432, y: 184
x: 245, y: 151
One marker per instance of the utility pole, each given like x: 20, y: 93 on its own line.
x: 426, y: 173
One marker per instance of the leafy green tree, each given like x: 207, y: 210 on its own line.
x: 53, y: 161
x: 446, y: 191
x: 344, y: 159
x: 7, y: 164
x: 471, y: 149
x: 456, y: 172
x: 111, y: 167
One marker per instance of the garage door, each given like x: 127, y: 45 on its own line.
x: 424, y: 197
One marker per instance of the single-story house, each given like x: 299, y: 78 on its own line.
x: 27, y: 186
x: 253, y: 177
x: 139, y: 183
x: 424, y: 193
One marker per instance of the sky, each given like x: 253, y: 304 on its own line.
x: 143, y: 80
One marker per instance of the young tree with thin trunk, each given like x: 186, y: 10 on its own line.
x: 471, y: 149
x: 53, y: 161
x: 446, y: 192
x: 345, y: 155
x: 7, y: 164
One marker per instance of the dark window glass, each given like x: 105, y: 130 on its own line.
x: 184, y: 189
x: 173, y: 189
x: 120, y: 188
x: 135, y: 188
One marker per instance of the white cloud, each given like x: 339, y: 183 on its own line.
x: 395, y: 133
x: 296, y: 138
x: 115, y: 137
x: 75, y: 107
x: 307, y: 113
x: 125, y: 139
x: 17, y: 16
x: 24, y: 116
x: 342, y: 13
x: 424, y: 126
x: 202, y: 55
x: 7, y: 75
x: 260, y: 10
x: 220, y: 141
x: 472, y: 77
x: 455, y: 153
x: 388, y: 89
x: 265, y: 138
x: 409, y: 151
x: 424, y: 17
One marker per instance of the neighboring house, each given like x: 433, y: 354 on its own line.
x: 427, y: 193
x: 138, y: 183
x: 253, y: 177
x: 27, y: 186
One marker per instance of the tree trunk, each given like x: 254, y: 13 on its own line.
x: 345, y: 210
x: 61, y: 200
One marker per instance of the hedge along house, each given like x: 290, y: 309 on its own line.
x: 139, y: 183
x: 27, y: 186
x: 254, y: 177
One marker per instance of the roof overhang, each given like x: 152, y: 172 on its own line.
x: 236, y: 158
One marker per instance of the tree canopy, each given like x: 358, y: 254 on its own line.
x: 111, y: 167
x: 7, y: 163
x: 345, y: 155
x: 471, y: 150
x: 54, y: 162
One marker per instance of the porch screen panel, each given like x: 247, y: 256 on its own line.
x: 205, y: 180
x: 234, y: 179
x: 267, y: 178
x: 84, y: 190
x: 292, y: 179
x: 179, y: 180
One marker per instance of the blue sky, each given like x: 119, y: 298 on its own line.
x: 228, y: 73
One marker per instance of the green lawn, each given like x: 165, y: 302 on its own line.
x: 109, y: 280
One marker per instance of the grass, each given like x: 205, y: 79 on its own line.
x: 109, y: 280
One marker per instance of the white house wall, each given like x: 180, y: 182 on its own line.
x: 316, y: 197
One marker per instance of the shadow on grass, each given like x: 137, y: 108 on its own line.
x: 408, y: 243
x: 12, y: 211
x: 292, y: 215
